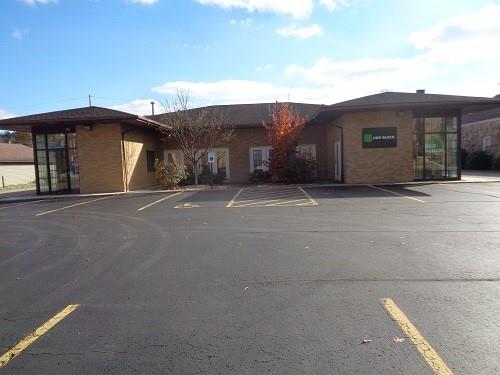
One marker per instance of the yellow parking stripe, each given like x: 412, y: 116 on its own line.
x: 35, y: 335
x: 393, y: 192
x: 158, y: 201
x: 73, y: 205
x: 425, y: 349
x: 231, y: 202
x: 314, y: 203
x: 272, y: 197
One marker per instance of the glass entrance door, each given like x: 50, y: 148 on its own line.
x: 58, y: 171
x: 435, y: 141
x: 56, y: 163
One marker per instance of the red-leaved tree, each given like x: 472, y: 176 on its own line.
x: 282, y: 134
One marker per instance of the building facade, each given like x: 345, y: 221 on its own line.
x: 481, y: 132
x: 382, y: 138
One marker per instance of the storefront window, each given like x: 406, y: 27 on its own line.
x: 57, y: 163
x: 435, y: 148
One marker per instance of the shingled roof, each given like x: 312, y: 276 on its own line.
x: 250, y: 115
x: 85, y: 114
x: 481, y: 116
x: 406, y: 99
x: 15, y: 153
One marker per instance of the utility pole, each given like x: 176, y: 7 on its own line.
x: 90, y: 100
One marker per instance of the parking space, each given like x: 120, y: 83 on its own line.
x: 271, y: 196
x: 181, y: 282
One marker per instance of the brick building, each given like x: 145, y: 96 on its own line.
x: 387, y: 137
x: 481, y: 131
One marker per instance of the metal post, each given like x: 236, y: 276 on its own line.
x: 3, y: 183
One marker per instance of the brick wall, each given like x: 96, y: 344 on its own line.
x: 239, y: 149
x: 137, y: 142
x: 100, y: 158
x: 377, y: 165
x: 473, y: 133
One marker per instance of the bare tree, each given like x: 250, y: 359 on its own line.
x: 196, y: 130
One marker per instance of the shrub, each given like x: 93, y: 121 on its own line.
x: 496, y: 163
x: 298, y: 170
x: 259, y: 176
x: 169, y: 175
x: 479, y: 160
x: 208, y: 178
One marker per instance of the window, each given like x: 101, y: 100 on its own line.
x: 307, y: 151
x: 220, y: 166
x: 435, y: 141
x: 57, y: 163
x: 487, y: 144
x: 151, y: 157
x: 259, y: 157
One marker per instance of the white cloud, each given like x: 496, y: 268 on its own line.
x: 456, y: 40
x: 19, y: 33
x: 143, y: 2
x: 248, y: 91
x: 451, y: 44
x: 244, y: 22
x: 370, y: 72
x: 333, y: 5
x: 6, y: 114
x: 38, y: 2
x: 264, y: 68
x: 295, y: 8
x: 140, y: 107
x: 301, y: 32
x: 440, y: 64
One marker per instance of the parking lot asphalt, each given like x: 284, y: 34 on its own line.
x: 276, y: 280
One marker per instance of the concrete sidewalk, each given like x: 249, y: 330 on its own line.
x: 480, y: 176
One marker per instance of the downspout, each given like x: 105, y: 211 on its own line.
x: 341, y: 151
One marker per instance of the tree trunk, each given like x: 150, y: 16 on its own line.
x: 195, y: 173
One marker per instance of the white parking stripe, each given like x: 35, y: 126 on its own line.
x: 158, y: 201
x: 393, y: 192
x: 73, y: 205
x: 284, y: 203
x: 19, y: 204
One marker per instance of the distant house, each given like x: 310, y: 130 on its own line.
x: 481, y: 131
x: 16, y: 164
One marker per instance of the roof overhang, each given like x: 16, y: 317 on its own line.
x: 28, y: 126
x: 464, y: 107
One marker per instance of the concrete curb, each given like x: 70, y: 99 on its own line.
x: 29, y: 196
x: 32, y: 196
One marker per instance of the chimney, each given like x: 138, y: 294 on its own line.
x: 153, y: 108
x: 421, y: 91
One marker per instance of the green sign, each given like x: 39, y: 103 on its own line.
x: 367, y: 138
x: 380, y: 137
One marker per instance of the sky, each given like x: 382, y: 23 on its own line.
x: 127, y: 53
